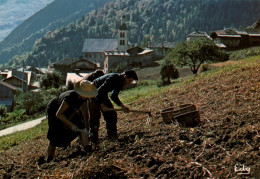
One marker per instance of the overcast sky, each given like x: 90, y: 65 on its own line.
x: 14, y: 12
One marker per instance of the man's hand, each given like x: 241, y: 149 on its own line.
x: 125, y: 109
x: 74, y: 128
x: 104, y: 108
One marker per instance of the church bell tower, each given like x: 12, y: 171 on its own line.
x: 123, y: 35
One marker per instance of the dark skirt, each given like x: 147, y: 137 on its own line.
x: 59, y: 134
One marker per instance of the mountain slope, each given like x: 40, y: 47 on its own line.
x: 15, y: 12
x: 158, y: 20
x: 57, y: 14
x: 228, y: 135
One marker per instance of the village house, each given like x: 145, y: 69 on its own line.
x: 232, y: 38
x: 74, y: 65
x: 7, y: 93
x: 197, y: 35
x: 134, y: 57
x: 19, y: 78
x: 17, y: 82
x: 161, y: 48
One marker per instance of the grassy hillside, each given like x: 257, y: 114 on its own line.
x: 228, y: 101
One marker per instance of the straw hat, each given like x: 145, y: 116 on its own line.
x: 86, y: 89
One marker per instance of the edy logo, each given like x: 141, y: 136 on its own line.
x: 242, y: 170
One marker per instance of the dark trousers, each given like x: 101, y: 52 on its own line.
x: 111, y: 120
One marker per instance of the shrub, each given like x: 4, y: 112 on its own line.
x: 51, y: 80
x: 119, y: 68
x: 3, y: 111
x: 30, y: 102
x: 15, y: 116
x: 203, y: 68
x: 168, y: 71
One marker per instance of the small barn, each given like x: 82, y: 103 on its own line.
x: 17, y: 82
x: 7, y: 93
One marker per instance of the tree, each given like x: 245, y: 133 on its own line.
x: 194, y: 53
x: 51, y: 80
x: 30, y: 102
x: 168, y: 71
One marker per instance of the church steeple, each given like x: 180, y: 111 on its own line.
x: 123, y: 35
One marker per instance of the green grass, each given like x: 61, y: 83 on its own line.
x: 141, y: 92
x: 13, y: 139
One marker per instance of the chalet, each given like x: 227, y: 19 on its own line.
x: 233, y: 38
x: 28, y: 76
x: 197, y: 35
x: 17, y: 82
x: 73, y: 65
x: 132, y: 58
x: 93, y: 49
x: 161, y: 48
x: 7, y: 92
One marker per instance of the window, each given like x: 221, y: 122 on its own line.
x: 122, y: 34
x: 122, y: 42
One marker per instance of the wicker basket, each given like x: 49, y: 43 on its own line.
x: 189, y: 119
x: 169, y: 114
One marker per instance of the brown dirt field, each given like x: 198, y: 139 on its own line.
x: 227, y: 139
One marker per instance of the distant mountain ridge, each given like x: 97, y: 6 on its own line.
x: 57, y: 14
x: 14, y: 12
x: 147, y: 20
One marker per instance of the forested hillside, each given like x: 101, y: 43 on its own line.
x: 163, y: 20
x: 57, y: 14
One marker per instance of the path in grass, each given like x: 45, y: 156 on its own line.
x: 21, y: 127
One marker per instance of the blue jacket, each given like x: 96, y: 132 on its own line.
x: 110, y: 82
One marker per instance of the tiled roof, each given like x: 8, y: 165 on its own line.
x: 8, y: 85
x: 236, y: 32
x: 123, y: 53
x: 99, y: 45
x: 198, y: 34
x: 68, y: 61
x: 253, y: 31
x: 161, y: 44
x: 6, y: 79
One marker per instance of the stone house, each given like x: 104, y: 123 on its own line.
x: 134, y: 57
x: 161, y: 48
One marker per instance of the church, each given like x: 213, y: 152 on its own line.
x: 109, y: 53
